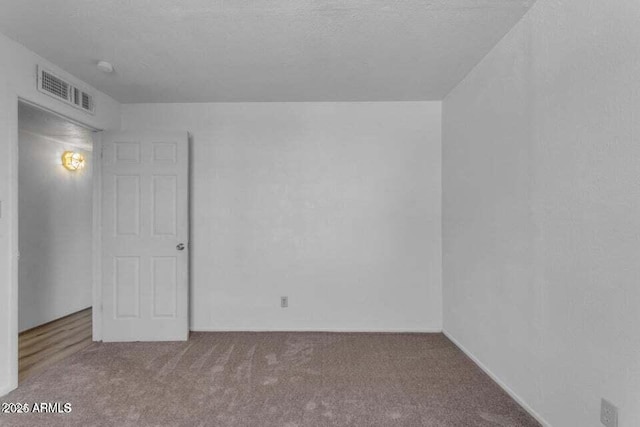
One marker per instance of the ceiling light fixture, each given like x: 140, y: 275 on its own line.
x: 105, y: 66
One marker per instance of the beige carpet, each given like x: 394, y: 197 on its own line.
x: 271, y: 379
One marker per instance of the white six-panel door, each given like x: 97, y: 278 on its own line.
x: 145, y: 230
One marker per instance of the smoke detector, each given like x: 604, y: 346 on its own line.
x: 105, y: 66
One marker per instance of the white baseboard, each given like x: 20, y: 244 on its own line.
x: 501, y: 383
x: 347, y: 330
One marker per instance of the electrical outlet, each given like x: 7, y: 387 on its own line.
x: 608, y: 414
x: 284, y: 302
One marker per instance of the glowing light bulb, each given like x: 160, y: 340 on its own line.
x: 72, y: 161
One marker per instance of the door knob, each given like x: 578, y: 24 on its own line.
x: 180, y: 247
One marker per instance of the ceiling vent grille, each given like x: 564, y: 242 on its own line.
x: 64, y: 91
x: 87, y: 102
x: 54, y: 86
x: 76, y: 96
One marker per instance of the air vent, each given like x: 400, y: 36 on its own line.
x: 54, y: 86
x: 62, y: 90
x: 87, y: 102
x: 76, y: 96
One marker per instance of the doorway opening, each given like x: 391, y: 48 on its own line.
x: 55, y: 205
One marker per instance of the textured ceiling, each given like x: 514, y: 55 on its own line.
x: 264, y: 50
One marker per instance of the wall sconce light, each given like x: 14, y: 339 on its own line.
x: 72, y: 161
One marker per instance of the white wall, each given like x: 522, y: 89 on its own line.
x: 335, y: 205
x: 541, y: 208
x: 18, y: 79
x: 55, y: 231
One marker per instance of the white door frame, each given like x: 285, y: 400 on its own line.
x: 96, y: 256
x: 14, y: 202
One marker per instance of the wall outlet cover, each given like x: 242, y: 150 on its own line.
x: 284, y: 302
x: 608, y: 414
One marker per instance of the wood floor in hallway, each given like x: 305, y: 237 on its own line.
x: 48, y: 344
